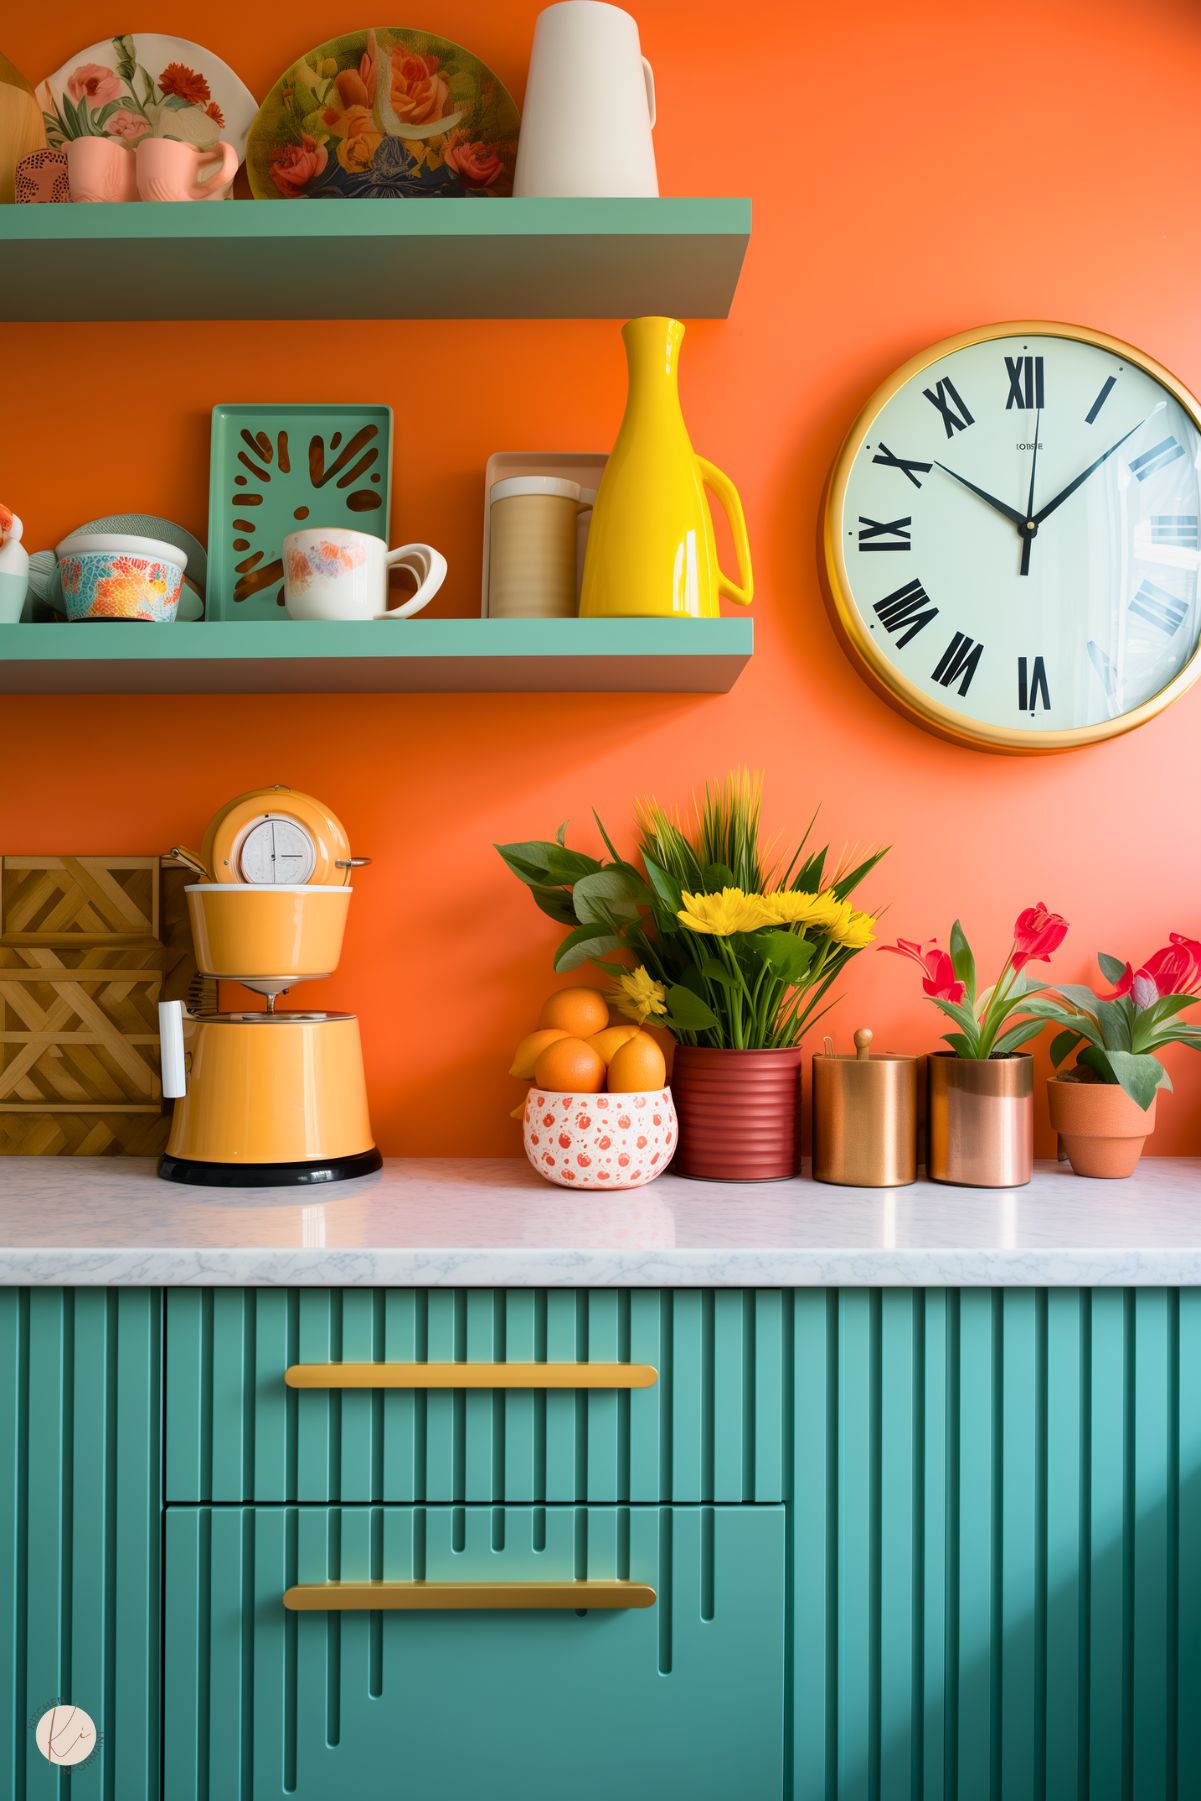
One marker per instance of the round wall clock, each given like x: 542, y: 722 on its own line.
x: 1011, y: 538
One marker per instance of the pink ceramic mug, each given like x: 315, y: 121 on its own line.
x: 169, y: 170
x: 100, y: 169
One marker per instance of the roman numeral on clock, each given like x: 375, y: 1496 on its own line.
x: 1159, y: 608
x: 905, y: 464
x: 1175, y: 528
x: 905, y: 610
x: 884, y: 534
x: 958, y: 662
x: 1102, y: 397
x: 1032, y: 685
x: 1025, y: 381
x: 1158, y: 457
x: 946, y: 398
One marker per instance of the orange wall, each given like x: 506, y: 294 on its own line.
x: 915, y: 170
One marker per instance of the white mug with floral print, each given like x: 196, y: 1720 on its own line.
x: 333, y: 573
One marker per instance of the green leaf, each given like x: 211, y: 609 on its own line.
x: 715, y: 971
x: 546, y: 862
x: 687, y: 1012
x: 1112, y: 968
x: 582, y: 945
x: 848, y: 883
x: 963, y: 962
x: 717, y: 876
x: 605, y: 838
x: 1017, y: 1035
x: 962, y: 1016
x: 1138, y: 1076
x: 786, y: 955
x: 1062, y: 1046
x: 561, y: 834
x: 666, y: 889
x: 1151, y: 1030
x: 127, y: 61
x: 958, y: 1044
x: 1114, y: 1019
x: 554, y: 902
x: 604, y: 897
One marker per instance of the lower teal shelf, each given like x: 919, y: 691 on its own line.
x: 442, y: 656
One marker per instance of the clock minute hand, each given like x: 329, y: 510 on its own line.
x: 998, y: 506
x: 1067, y: 492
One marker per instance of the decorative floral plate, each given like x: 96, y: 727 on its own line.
x: 143, y: 85
x: 384, y: 114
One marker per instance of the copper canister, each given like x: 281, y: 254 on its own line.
x: 865, y: 1118
x: 981, y: 1120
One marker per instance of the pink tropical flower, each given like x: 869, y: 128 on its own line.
x: 94, y: 83
x: 939, y: 972
x: 126, y: 125
x: 1036, y: 933
x: 1176, y: 969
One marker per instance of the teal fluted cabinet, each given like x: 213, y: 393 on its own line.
x: 908, y: 1545
x: 80, y: 1534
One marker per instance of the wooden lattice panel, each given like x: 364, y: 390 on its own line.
x: 88, y: 948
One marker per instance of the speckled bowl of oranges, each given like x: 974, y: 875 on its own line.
x: 599, y: 1113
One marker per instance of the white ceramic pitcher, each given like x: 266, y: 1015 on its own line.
x: 589, y: 106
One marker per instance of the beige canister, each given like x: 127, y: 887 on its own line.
x: 533, y: 547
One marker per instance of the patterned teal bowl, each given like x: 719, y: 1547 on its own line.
x: 114, y: 577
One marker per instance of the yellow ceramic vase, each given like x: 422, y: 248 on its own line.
x: 651, y: 550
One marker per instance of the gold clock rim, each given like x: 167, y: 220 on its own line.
x: 883, y: 675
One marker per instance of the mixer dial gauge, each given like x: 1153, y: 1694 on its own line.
x: 276, y: 850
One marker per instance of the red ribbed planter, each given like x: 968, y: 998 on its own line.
x: 739, y: 1113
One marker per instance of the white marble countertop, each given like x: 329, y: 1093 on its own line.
x: 492, y: 1222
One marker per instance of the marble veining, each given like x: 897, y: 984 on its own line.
x: 488, y: 1222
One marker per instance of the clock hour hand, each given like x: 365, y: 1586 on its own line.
x: 1066, y: 493
x: 1031, y: 526
x: 998, y: 506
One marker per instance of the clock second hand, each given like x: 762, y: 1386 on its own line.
x: 1030, y: 529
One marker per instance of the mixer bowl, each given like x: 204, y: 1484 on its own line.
x: 267, y: 938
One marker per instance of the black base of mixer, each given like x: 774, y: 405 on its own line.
x: 194, y: 1174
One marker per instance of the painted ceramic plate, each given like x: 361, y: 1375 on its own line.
x: 274, y: 468
x: 127, y: 87
x: 384, y: 114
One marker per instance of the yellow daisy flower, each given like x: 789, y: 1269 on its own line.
x: 723, y: 914
x: 639, y: 996
x: 852, y: 929
x: 789, y: 906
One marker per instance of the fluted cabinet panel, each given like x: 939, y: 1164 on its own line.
x: 80, y: 1501
x: 712, y: 1428
x: 995, y: 1520
x: 682, y: 1698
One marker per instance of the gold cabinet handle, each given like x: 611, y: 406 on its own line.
x: 471, y: 1375
x: 428, y: 1597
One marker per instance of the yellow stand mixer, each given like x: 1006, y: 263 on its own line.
x: 267, y: 1098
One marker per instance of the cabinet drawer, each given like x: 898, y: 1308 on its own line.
x: 709, y: 1429
x: 684, y: 1697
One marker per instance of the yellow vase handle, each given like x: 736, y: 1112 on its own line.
x: 743, y: 590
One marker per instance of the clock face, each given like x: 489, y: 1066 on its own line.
x: 1013, y: 536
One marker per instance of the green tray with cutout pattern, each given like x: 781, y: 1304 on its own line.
x: 277, y: 469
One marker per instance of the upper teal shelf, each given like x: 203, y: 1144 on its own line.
x: 433, y: 656
x: 373, y: 259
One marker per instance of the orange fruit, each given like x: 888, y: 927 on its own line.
x: 570, y: 1066
x: 578, y: 1011
x: 611, y: 1040
x: 530, y: 1049
x: 638, y: 1067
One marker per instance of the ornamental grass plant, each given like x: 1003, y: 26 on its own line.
x: 707, y: 930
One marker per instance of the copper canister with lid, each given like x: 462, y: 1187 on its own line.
x: 865, y: 1117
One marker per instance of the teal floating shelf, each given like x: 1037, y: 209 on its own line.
x: 373, y: 259
x: 434, y: 656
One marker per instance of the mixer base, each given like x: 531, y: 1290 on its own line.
x: 195, y: 1174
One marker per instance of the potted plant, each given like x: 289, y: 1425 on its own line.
x: 729, y: 947
x: 1103, y: 1108
x: 981, y: 1089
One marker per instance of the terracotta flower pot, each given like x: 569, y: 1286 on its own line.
x: 739, y: 1113
x: 981, y: 1120
x: 1102, y: 1129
